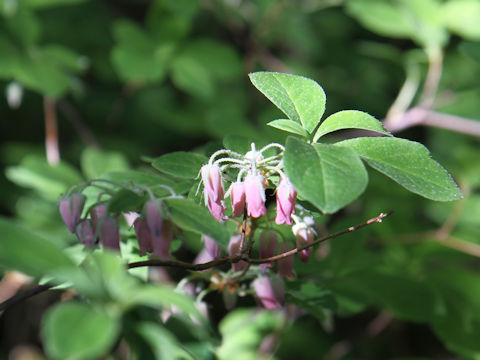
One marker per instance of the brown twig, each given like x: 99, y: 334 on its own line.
x: 51, y: 132
x: 246, y: 257
x: 24, y: 295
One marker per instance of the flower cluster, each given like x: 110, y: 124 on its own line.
x: 247, y: 193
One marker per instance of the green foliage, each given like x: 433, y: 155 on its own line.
x: 167, y: 79
x: 93, y: 334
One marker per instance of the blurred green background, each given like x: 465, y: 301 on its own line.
x: 126, y: 79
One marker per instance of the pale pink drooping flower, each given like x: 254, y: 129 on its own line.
x: 269, y: 291
x: 285, y: 265
x: 255, y: 195
x: 71, y: 208
x: 234, y: 248
x: 238, y: 198
x: 211, y: 246
x: 85, y: 233
x: 213, y: 190
x: 304, y: 235
x: 267, y: 248
x: 286, y: 197
x: 109, y: 233
x: 144, y: 237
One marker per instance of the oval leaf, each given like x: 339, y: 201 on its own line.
x: 300, y: 98
x: 408, y: 163
x: 26, y: 251
x: 325, y: 175
x: 349, y: 119
x: 196, y: 218
x: 77, y: 331
x: 289, y: 126
x: 185, y: 165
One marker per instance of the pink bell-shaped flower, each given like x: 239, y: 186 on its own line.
x: 234, y: 248
x: 267, y: 248
x: 255, y: 195
x: 213, y: 190
x: 285, y: 265
x: 97, y: 214
x: 286, y: 197
x: 304, y: 235
x: 238, y: 198
x: 85, y: 233
x: 269, y: 291
x: 144, y: 237
x: 211, y: 246
x: 161, y: 231
x: 71, y: 208
x: 109, y: 233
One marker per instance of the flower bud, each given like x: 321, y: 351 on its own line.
x: 286, y: 197
x: 255, y: 195
x: 144, y: 237
x: 96, y: 214
x: 71, y: 210
x: 109, y: 233
x: 154, y: 217
x: 269, y: 291
x: 285, y: 265
x: 161, y: 244
x: 213, y: 190
x: 85, y: 233
x: 267, y: 248
x: 234, y: 248
x: 304, y: 235
x: 212, y: 246
x: 238, y: 198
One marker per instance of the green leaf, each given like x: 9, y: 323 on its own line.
x: 181, y: 164
x: 408, y: 163
x: 325, y: 175
x: 311, y: 298
x: 381, y: 17
x: 349, y: 119
x: 125, y: 200
x: 189, y: 74
x: 196, y: 218
x: 289, y: 126
x: 50, y: 181
x: 76, y: 331
x: 300, y: 98
x: 461, y: 16
x: 24, y: 250
x: 163, y: 343
x: 96, y: 162
x: 137, y: 57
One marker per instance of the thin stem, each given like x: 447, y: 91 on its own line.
x: 25, y: 295
x: 223, y: 151
x: 435, y: 64
x: 51, y: 132
x: 269, y: 146
x: 245, y: 257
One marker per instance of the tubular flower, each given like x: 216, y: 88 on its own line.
x: 213, y: 190
x: 234, y: 248
x: 285, y: 265
x: 85, y: 233
x: 267, y: 248
x: 161, y: 244
x: 144, y: 237
x: 255, y: 195
x: 109, y: 234
x: 304, y: 235
x: 97, y: 214
x: 286, y: 197
x: 238, y: 198
x: 71, y: 210
x: 211, y: 246
x: 269, y: 291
